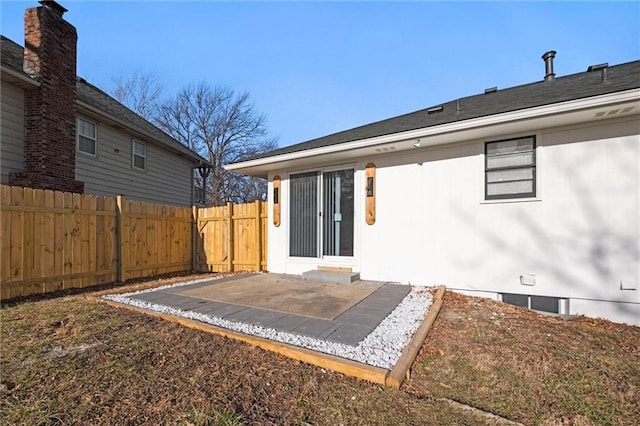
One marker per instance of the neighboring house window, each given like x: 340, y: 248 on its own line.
x: 139, y: 155
x: 510, y: 168
x: 87, y: 136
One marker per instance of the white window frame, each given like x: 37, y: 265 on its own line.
x: 134, y: 154
x: 95, y: 138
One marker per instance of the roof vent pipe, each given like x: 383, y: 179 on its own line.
x: 548, y: 65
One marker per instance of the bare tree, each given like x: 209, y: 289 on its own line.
x: 224, y: 127
x: 141, y: 93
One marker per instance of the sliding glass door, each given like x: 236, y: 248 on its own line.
x: 321, y: 203
x: 337, y: 214
x: 303, y: 215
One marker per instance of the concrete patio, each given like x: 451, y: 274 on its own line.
x: 371, y: 330
x: 340, y: 313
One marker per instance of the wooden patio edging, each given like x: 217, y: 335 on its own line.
x: 341, y: 365
x: 401, y: 370
x: 391, y: 378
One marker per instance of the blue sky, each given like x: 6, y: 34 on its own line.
x: 315, y: 68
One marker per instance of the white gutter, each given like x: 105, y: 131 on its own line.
x: 19, y: 76
x: 502, y: 118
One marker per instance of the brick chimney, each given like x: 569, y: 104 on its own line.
x: 50, y: 113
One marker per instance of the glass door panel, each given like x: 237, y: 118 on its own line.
x: 337, y: 209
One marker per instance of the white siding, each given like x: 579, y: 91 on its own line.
x: 166, y: 180
x: 580, y: 237
x: 11, y: 131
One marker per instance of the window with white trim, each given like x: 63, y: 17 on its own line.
x: 87, y: 136
x: 510, y: 168
x: 554, y: 305
x: 139, y: 152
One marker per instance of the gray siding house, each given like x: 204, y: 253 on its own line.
x: 60, y: 132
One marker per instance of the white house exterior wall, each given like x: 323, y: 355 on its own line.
x: 580, y: 237
x: 167, y: 178
x: 11, y: 131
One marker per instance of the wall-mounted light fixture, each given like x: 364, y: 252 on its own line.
x: 370, y: 199
x: 276, y: 201
x: 417, y: 144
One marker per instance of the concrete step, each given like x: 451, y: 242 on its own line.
x: 340, y: 277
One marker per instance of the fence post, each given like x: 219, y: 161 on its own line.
x: 258, y: 207
x: 194, y: 240
x: 119, y: 238
x: 230, y: 237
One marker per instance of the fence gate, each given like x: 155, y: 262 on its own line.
x: 232, y: 238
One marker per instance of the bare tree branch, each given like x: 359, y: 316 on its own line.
x: 141, y: 93
x: 224, y: 127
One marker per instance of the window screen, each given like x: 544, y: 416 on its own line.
x: 510, y: 169
x: 545, y: 304
x: 303, y: 215
x: 538, y: 303
x: 516, y: 299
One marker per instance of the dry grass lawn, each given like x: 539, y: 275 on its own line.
x: 68, y: 360
x: 529, y: 367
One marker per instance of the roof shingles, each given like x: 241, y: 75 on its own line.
x: 571, y: 87
x: 12, y: 54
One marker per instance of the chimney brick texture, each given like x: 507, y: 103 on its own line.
x: 50, y: 114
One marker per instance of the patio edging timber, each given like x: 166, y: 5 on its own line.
x: 341, y: 365
x: 401, y: 370
x: 388, y: 377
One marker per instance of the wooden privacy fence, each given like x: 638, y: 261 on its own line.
x: 55, y: 240
x: 156, y: 239
x: 234, y: 237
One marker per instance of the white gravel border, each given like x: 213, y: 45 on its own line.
x: 381, y: 348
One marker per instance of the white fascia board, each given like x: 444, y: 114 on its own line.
x: 519, y: 115
x: 18, y: 76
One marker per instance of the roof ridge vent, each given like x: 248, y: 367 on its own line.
x: 490, y: 90
x: 600, y: 67
x: 435, y: 109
